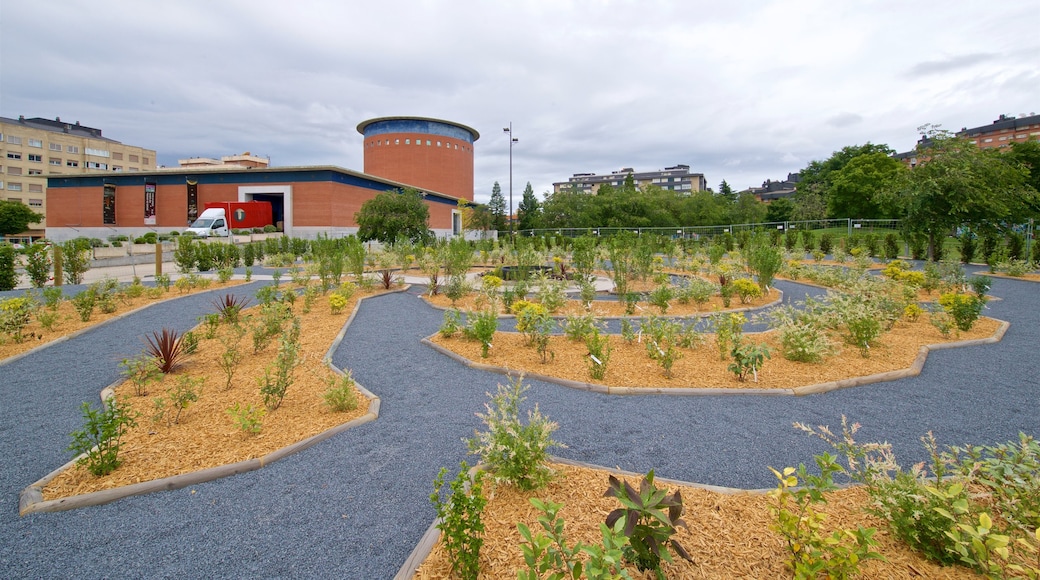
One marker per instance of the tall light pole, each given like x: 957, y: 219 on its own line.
x: 512, y: 140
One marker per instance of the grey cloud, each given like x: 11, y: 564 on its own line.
x: 935, y: 67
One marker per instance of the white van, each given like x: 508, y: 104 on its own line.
x: 212, y: 223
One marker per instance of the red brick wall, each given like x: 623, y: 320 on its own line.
x: 443, y: 169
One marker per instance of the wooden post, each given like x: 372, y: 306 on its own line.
x: 158, y: 258
x: 57, y: 264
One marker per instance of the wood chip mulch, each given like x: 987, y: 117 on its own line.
x: 727, y: 535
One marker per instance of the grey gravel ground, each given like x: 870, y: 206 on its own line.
x: 355, y: 505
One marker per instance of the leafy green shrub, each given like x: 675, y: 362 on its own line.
x: 248, y: 418
x: 551, y: 294
x: 547, y: 555
x: 141, y: 371
x: 98, y: 441
x: 452, y: 324
x: 183, y: 394
x: 599, y: 353
x: 826, y: 242
x: 459, y: 519
x: 38, y: 264
x: 964, y: 308
x: 15, y: 314
x: 798, y: 521
x: 481, y: 326
x: 968, y: 246
x: 891, y: 246
x: 747, y: 290
x: 729, y: 331
x: 273, y: 386
x: 341, y: 394
x: 514, y: 452
x: 765, y: 261
x: 84, y: 302
x: 650, y: 518
x: 661, y: 296
x: 747, y: 359
x: 577, y: 327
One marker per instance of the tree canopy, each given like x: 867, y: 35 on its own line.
x: 497, y: 207
x: 859, y: 188
x: 957, y: 183
x: 815, y: 187
x: 528, y: 214
x: 15, y: 217
x: 394, y: 215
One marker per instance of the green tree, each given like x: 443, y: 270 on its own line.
x: 747, y: 209
x: 1028, y: 154
x: 528, y: 214
x: 809, y: 203
x: 959, y: 184
x: 497, y: 208
x: 394, y: 215
x: 15, y: 217
x: 570, y: 208
x: 818, y: 176
x: 727, y: 192
x: 779, y: 210
x: 858, y: 189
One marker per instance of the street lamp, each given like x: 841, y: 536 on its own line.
x: 512, y: 140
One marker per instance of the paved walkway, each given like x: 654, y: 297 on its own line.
x: 355, y: 505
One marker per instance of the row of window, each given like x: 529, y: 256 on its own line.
x: 15, y: 186
x: 429, y: 143
x: 32, y: 201
x: 74, y: 149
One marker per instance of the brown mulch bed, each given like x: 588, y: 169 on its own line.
x: 613, y: 308
x: 727, y: 535
x: 702, y: 367
x: 68, y: 320
x: 206, y: 436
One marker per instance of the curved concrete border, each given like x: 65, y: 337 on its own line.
x: 71, y: 335
x: 913, y: 370
x: 432, y: 535
x: 1007, y: 276
x: 31, y: 499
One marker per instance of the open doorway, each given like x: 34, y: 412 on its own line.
x: 280, y: 198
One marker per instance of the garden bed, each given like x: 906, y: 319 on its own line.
x: 702, y: 367
x: 206, y: 435
x: 727, y: 534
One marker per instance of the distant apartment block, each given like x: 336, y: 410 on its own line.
x: 31, y: 149
x: 774, y: 190
x: 244, y: 161
x: 677, y: 178
x: 1004, y: 131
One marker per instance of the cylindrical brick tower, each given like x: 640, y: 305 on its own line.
x: 428, y: 153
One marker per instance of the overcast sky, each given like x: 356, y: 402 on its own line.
x: 741, y: 91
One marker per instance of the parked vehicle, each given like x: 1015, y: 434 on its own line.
x: 220, y: 217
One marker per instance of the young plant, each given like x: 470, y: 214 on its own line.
x: 578, y: 327
x: 459, y: 519
x: 547, y: 555
x: 273, y: 386
x: 341, y: 395
x: 452, y: 324
x: 650, y: 517
x: 599, y: 353
x: 514, y: 452
x: 98, y: 441
x: 729, y: 331
x: 747, y: 290
x: 165, y: 347
x: 747, y: 359
x: 798, y: 521
x: 481, y: 326
x: 141, y: 371
x: 232, y: 355
x: 230, y: 307
x: 964, y: 308
x: 184, y: 394
x: 248, y: 418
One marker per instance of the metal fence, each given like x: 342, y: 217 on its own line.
x: 849, y: 226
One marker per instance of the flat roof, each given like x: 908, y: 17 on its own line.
x: 364, y: 124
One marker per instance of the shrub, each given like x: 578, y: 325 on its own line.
x: 458, y: 519
x: 548, y: 553
x: 577, y: 327
x: 747, y: 359
x: 826, y: 242
x: 648, y: 519
x: 514, y: 452
x: 891, y: 246
x: 599, y: 353
x: 804, y: 341
x: 341, y: 395
x: 15, y: 314
x: 141, y: 371
x: 964, y: 308
x: 765, y: 261
x: 812, y: 554
x: 481, y: 326
x: 747, y: 290
x: 661, y: 296
x: 38, y: 264
x: 337, y: 302
x: 452, y: 324
x: 729, y: 331
x: 274, y: 386
x: 248, y: 418
x: 968, y: 245
x: 98, y: 441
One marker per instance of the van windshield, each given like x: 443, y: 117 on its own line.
x: 203, y: 223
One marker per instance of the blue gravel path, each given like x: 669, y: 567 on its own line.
x: 355, y: 505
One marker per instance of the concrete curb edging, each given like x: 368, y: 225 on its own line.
x: 31, y: 500
x: 432, y: 535
x: 913, y: 370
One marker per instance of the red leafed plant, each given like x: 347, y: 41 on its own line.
x: 165, y: 347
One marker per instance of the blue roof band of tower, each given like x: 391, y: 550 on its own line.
x: 424, y: 125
